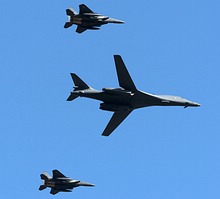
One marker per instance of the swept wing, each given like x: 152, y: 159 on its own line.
x: 124, y: 77
x: 80, y: 29
x: 84, y: 9
x: 54, y: 191
x: 58, y: 174
x: 115, y: 121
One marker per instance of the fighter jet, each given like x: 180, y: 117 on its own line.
x: 87, y: 19
x: 60, y: 183
x: 122, y: 101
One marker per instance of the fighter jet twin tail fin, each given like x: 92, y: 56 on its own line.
x: 69, y: 12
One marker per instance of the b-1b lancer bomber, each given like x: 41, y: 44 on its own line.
x: 60, y: 183
x: 122, y: 101
x: 87, y: 19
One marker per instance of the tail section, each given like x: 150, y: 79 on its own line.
x: 79, y: 83
x: 79, y: 86
x: 69, y: 12
x: 45, y: 177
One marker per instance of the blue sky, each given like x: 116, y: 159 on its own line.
x: 169, y: 47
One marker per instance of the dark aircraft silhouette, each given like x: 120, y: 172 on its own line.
x: 122, y: 101
x: 60, y: 183
x: 87, y: 19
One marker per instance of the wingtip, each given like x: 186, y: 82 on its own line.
x: 103, y: 134
x: 82, y: 4
x: 117, y: 57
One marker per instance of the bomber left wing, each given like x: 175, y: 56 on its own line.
x: 115, y: 121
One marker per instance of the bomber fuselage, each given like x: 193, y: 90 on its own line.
x: 118, y: 99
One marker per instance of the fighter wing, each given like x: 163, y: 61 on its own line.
x: 80, y: 29
x: 54, y: 191
x: 84, y: 9
x: 58, y: 174
x: 115, y: 121
x: 124, y: 78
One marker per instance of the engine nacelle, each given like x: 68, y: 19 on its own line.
x: 113, y: 107
x: 117, y: 91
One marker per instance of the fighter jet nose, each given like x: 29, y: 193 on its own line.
x: 196, y: 104
x: 91, y: 185
x: 86, y: 184
x: 120, y: 21
x: 111, y: 20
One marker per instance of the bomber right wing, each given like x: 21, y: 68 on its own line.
x: 115, y: 121
x: 124, y: 77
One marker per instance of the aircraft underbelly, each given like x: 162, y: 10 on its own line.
x: 91, y: 23
x: 77, y: 21
x: 109, y: 98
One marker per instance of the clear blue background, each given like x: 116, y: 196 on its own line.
x: 169, y: 47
